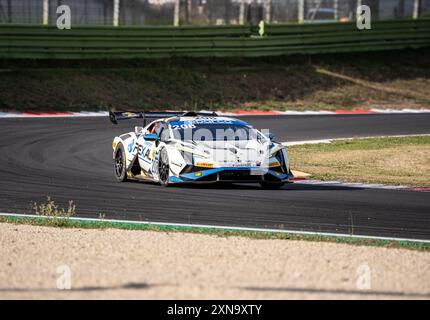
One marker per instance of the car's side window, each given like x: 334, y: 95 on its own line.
x: 151, y: 128
x: 158, y: 128
x: 164, y: 134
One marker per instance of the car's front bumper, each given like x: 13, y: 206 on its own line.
x: 232, y: 174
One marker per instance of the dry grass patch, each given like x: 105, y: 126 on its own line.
x: 55, y: 216
x: 395, y: 79
x: 404, y: 161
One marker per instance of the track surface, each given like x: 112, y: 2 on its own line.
x: 70, y: 159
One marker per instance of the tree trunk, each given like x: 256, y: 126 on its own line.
x: 242, y: 12
x: 267, y: 11
x: 176, y: 13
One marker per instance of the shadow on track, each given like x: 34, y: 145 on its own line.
x: 340, y: 291
x: 296, y: 186
x: 145, y: 286
x: 286, y: 187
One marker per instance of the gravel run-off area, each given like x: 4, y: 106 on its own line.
x: 37, y: 262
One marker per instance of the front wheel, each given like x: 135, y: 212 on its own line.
x: 120, y: 169
x: 164, y: 168
x: 272, y: 185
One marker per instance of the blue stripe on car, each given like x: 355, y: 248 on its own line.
x: 209, y: 121
x: 207, y: 172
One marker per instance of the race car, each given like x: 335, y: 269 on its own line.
x: 197, y: 147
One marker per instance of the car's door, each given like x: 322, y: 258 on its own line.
x: 147, y: 149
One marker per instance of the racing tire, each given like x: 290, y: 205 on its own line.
x: 272, y: 185
x: 119, y: 164
x: 164, y: 168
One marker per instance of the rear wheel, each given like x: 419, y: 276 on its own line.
x: 120, y: 169
x: 272, y: 185
x: 164, y: 168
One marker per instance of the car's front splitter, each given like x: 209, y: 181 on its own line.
x: 231, y: 174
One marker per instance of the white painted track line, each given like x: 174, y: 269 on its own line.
x: 204, y: 226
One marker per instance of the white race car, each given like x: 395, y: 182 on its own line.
x: 177, y: 147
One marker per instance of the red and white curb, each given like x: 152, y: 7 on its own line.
x: 237, y: 112
x: 53, y: 114
x: 240, y: 112
x: 358, y: 185
x: 327, y: 141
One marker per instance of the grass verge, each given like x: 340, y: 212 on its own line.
x: 83, y: 224
x: 390, y: 160
x: 397, y: 79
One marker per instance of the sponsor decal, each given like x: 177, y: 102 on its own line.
x: 274, y: 164
x: 204, y: 164
x: 176, y: 125
x: 130, y: 146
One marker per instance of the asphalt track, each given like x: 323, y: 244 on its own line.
x: 70, y: 159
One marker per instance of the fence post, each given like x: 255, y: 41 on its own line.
x: 45, y: 12
x: 116, y: 13
x: 336, y: 9
x: 267, y: 10
x: 301, y: 12
x: 358, y: 5
x: 176, y: 13
x: 242, y: 12
x: 416, y: 12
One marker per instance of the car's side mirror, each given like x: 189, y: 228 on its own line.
x: 271, y: 136
x: 150, y: 136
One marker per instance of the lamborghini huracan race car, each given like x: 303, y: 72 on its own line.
x: 177, y: 147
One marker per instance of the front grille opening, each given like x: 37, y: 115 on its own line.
x: 189, y: 168
x: 238, y: 175
x: 269, y: 177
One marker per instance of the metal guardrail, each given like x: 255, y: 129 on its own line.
x: 46, y: 42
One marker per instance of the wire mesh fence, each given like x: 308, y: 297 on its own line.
x: 206, y: 12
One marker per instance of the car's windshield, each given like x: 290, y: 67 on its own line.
x: 220, y: 130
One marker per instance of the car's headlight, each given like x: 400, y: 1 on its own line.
x: 188, y: 157
x: 274, y: 150
x: 280, y: 159
x: 193, y: 151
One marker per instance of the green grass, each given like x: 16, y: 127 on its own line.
x: 390, y: 79
x: 399, y: 161
x: 69, y: 223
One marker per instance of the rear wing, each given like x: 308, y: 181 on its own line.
x: 116, y: 116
